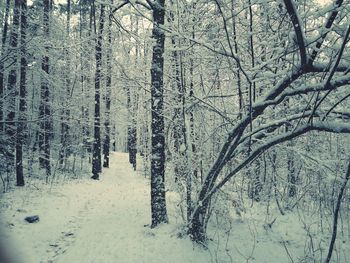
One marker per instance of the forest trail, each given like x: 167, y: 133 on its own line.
x: 95, y: 221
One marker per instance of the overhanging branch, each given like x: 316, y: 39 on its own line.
x: 333, y: 127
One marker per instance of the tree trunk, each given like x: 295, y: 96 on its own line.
x: 132, y: 104
x: 238, y: 71
x: 2, y: 76
x: 181, y: 167
x: 44, y: 108
x: 84, y: 80
x: 10, y: 127
x: 107, y: 139
x: 64, y: 152
x: 158, y: 202
x: 21, y: 126
x: 255, y: 182
x: 336, y: 214
x: 96, y: 149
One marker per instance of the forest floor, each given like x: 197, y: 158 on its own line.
x: 91, y: 221
x: 82, y: 220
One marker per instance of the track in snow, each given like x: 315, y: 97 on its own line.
x: 114, y: 230
x: 98, y: 221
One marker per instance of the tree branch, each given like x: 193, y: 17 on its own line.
x: 328, y: 25
x: 296, y: 21
x: 129, y: 2
x: 331, y: 74
x: 320, y: 126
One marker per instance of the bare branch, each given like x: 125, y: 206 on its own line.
x: 299, y: 33
x: 317, y: 67
x: 305, y: 89
x: 120, y: 6
x: 335, y: 105
x: 148, y: 7
x: 333, y: 127
x: 333, y: 69
x: 328, y: 25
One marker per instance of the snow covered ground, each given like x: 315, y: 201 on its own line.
x: 91, y: 221
x: 108, y: 221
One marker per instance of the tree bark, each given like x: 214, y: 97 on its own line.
x: 12, y: 82
x: 2, y: 76
x: 96, y: 148
x: 64, y: 152
x: 158, y: 202
x: 21, y: 126
x: 107, y: 139
x: 44, y: 108
x: 336, y: 214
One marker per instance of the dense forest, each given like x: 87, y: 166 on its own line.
x: 238, y: 108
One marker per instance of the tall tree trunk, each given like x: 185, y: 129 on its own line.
x: 44, y: 108
x: 336, y: 214
x: 238, y: 71
x: 10, y: 127
x: 181, y: 168
x: 64, y: 152
x: 132, y: 103
x: 132, y: 133
x: 21, y: 126
x: 107, y: 139
x: 84, y: 79
x: 193, y: 138
x: 158, y: 202
x: 255, y: 182
x: 2, y: 76
x: 96, y: 148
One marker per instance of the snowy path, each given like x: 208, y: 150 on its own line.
x: 95, y: 221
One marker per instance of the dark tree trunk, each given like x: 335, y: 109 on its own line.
x: 44, y: 108
x: 336, y: 214
x: 158, y: 202
x: 96, y: 148
x: 84, y: 80
x: 197, y: 226
x: 132, y: 133
x: 255, y: 182
x: 292, y: 177
x: 133, y: 143
x: 64, y: 152
x: 292, y: 173
x: 21, y: 127
x: 238, y: 72
x: 107, y: 139
x: 197, y: 230
x: 2, y: 76
x: 10, y: 127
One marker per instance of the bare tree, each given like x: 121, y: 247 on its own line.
x: 241, y: 138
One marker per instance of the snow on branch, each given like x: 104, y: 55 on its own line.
x: 305, y: 89
x: 333, y: 127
